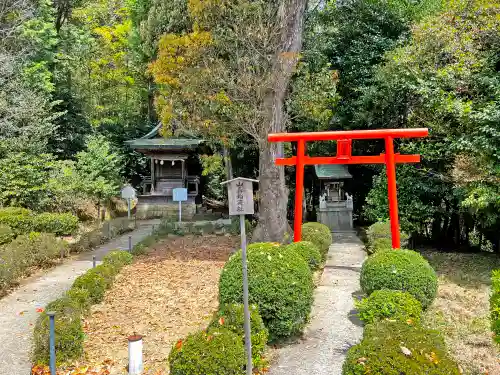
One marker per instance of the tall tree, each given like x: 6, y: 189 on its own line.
x: 229, y: 76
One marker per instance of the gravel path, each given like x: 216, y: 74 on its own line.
x: 333, y: 329
x: 18, y: 310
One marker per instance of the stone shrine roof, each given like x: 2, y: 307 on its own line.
x: 332, y: 171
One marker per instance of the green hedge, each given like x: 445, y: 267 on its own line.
x: 60, y: 224
x: 6, y: 234
x: 394, y: 348
x: 232, y: 317
x: 87, y: 289
x: 280, y: 284
x: 23, y: 221
x: 309, y: 252
x: 213, y: 352
x: 25, y: 252
x: 319, y: 234
x: 495, y: 305
x: 403, y: 270
x: 389, y: 304
x: 68, y: 329
x: 118, y: 258
x: 379, y: 237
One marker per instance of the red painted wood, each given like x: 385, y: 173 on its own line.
x: 349, y: 134
x: 299, y: 191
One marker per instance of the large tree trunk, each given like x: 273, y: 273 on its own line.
x: 273, y: 224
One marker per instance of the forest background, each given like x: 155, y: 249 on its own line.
x: 80, y: 77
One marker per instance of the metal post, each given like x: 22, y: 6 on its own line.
x: 248, y: 342
x: 299, y: 190
x: 130, y: 243
x: 128, y: 204
x: 390, y: 164
x: 52, y: 342
x: 180, y: 211
x: 93, y: 261
x: 153, y: 231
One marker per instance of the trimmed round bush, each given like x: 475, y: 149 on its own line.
x: 379, y: 237
x: 280, y: 284
x: 232, y: 317
x: 6, y: 234
x: 94, y: 283
x: 213, y: 352
x: 395, y: 348
x: 68, y: 328
x: 118, y: 258
x: 319, y: 234
x: 389, y: 304
x: 20, y: 220
x: 403, y: 270
x: 308, y: 251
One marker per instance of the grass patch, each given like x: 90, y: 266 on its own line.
x: 461, y: 308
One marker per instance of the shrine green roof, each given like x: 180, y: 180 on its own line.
x: 154, y: 141
x: 332, y: 172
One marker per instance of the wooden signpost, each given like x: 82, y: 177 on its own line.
x: 240, y: 194
x: 180, y: 195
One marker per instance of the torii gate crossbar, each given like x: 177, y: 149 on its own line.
x: 344, y: 156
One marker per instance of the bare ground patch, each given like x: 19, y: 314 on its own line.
x: 461, y: 309
x: 163, y: 296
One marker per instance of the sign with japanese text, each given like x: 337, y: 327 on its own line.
x: 240, y: 196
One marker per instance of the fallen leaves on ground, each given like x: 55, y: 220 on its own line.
x: 73, y: 370
x: 163, y: 297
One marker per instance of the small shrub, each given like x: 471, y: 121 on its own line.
x: 118, y: 258
x: 232, y: 317
x: 60, y: 224
x: 318, y: 234
x: 403, y: 270
x: 212, y: 352
x: 68, y: 329
x: 6, y: 234
x: 94, y: 283
x: 379, y: 237
x: 81, y: 297
x: 20, y: 220
x: 308, y: 251
x: 393, y: 348
x: 495, y: 305
x: 280, y: 284
x: 389, y: 304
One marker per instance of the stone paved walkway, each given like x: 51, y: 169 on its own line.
x: 332, y: 330
x: 18, y: 310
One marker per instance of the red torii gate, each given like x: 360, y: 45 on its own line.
x: 344, y: 156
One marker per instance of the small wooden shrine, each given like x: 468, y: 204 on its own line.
x: 335, y: 205
x: 174, y: 164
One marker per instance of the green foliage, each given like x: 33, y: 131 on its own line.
x: 25, y: 252
x: 6, y: 234
x: 93, y: 282
x: 232, y: 317
x: 81, y: 297
x: 98, y: 168
x: 394, y: 348
x: 213, y: 352
x: 495, y: 305
x: 280, y: 284
x: 403, y: 270
x: 118, y: 258
x: 320, y: 235
x: 60, y: 224
x: 379, y: 237
x: 389, y: 304
x: 309, y: 252
x: 68, y: 329
x: 19, y: 222
x: 214, y: 171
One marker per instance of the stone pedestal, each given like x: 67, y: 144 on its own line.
x: 336, y: 215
